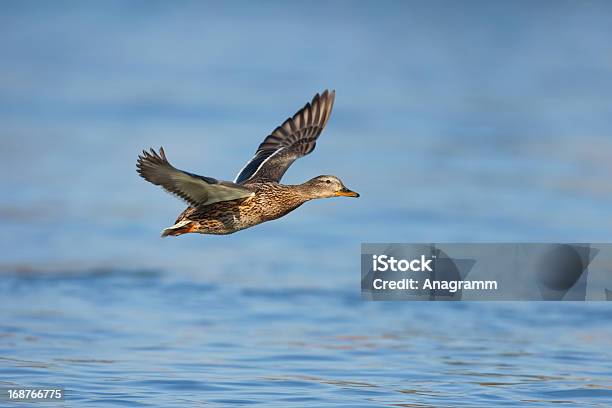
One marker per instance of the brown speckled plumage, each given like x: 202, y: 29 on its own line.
x: 222, y: 207
x: 271, y: 201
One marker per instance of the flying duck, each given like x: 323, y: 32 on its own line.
x: 256, y: 195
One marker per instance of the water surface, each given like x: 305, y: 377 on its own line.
x: 476, y: 121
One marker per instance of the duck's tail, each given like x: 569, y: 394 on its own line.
x: 181, y: 227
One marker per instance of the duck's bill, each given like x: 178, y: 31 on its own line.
x: 347, y: 193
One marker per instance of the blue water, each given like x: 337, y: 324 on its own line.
x: 476, y: 121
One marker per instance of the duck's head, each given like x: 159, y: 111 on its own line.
x: 328, y: 186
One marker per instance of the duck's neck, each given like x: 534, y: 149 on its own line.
x: 305, y: 192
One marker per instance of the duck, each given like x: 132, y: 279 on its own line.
x: 256, y: 195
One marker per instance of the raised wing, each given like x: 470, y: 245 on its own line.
x: 196, y: 190
x: 296, y: 137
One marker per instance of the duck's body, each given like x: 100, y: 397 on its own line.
x: 271, y: 201
x: 220, y: 207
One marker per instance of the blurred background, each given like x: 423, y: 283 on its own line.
x: 455, y: 121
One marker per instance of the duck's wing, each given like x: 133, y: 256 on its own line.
x: 295, y: 138
x: 196, y: 190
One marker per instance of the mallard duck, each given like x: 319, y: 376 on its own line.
x: 256, y: 195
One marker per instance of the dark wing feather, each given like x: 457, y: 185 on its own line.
x: 196, y: 190
x: 295, y: 138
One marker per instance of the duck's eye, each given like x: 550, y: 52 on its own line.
x: 328, y: 181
